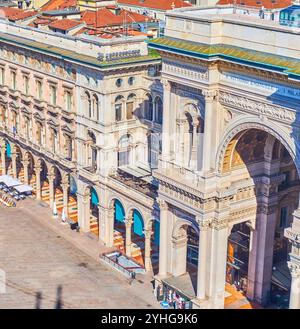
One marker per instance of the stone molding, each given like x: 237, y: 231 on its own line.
x: 244, y: 103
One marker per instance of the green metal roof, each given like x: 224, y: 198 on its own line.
x: 71, y: 55
x: 282, y: 64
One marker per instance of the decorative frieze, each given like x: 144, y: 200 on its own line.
x: 253, y: 106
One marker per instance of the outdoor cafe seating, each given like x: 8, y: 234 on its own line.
x: 13, y: 188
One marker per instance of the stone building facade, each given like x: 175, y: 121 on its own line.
x: 70, y: 119
x: 196, y: 170
x: 229, y: 171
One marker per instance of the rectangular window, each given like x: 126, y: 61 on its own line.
x: 129, y: 110
x: 53, y: 95
x: 2, y: 75
x: 13, y: 80
x: 123, y: 158
x: 68, y: 100
x: 39, y: 89
x: 283, y: 217
x: 118, y: 110
x: 26, y: 85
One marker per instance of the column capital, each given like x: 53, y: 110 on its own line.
x: 37, y: 168
x: 148, y: 233
x: 294, y: 269
x: 162, y: 204
x: 204, y: 224
x: 128, y: 222
x: 166, y: 84
x: 210, y: 95
x: 51, y: 177
x: 25, y: 162
x: 65, y: 185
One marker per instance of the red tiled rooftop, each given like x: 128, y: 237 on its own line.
x: 105, y: 17
x: 157, y: 4
x: 268, y: 4
x: 16, y: 14
x: 58, y: 4
x: 64, y: 24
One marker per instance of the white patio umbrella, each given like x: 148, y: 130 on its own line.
x: 54, y: 211
x: 63, y: 217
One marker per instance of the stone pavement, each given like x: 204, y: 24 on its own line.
x: 48, y: 265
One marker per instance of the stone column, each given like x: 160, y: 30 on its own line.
x: 181, y: 141
x: 106, y: 225
x: 202, y: 259
x: 83, y: 204
x: 194, y: 147
x: 38, y: 169
x: 210, y: 128
x: 25, y: 167
x: 163, y: 242
x: 166, y: 133
x: 261, y: 257
x: 65, y: 188
x: 179, y: 254
x: 217, y: 265
x: 293, y: 234
x: 128, y: 224
x: 3, y: 158
x: 51, y: 178
x: 14, y: 164
x: 295, y: 285
x: 148, y: 234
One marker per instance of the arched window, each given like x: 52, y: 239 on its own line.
x: 119, y: 108
x: 95, y: 108
x: 158, y: 110
x: 38, y: 133
x: 88, y: 104
x: 149, y: 108
x: 124, y: 154
x: 130, y: 106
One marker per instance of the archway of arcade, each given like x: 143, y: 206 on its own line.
x: 49, y: 183
x: 264, y: 175
x: 134, y: 237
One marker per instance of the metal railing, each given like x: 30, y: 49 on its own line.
x: 127, y: 272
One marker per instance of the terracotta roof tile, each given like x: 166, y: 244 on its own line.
x: 16, y: 14
x: 58, y: 4
x: 105, y: 17
x: 64, y: 24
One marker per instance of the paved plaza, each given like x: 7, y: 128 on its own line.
x: 46, y: 269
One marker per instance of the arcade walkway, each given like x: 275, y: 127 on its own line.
x: 45, y: 267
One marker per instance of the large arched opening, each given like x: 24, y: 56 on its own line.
x: 267, y: 186
x: 72, y: 201
x: 119, y: 225
x: 94, y: 212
